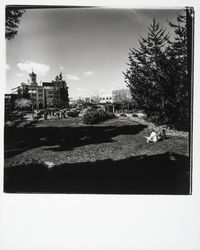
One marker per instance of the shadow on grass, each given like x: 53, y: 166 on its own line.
x: 159, y: 174
x: 18, y: 140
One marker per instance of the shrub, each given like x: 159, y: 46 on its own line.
x: 23, y: 103
x: 73, y: 113
x: 123, y: 115
x: 14, y: 118
x: 96, y: 116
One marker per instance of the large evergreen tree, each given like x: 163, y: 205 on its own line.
x: 61, y: 97
x: 146, y: 75
x: 158, y: 75
x: 178, y: 63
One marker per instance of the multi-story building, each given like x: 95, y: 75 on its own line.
x: 41, y: 95
x: 48, y: 88
x: 35, y: 90
x: 105, y: 99
x: 51, y: 87
x: 121, y: 96
x: 10, y: 102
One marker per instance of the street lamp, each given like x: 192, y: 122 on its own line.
x: 32, y: 92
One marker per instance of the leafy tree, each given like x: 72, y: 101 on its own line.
x: 23, y: 103
x: 61, y: 96
x: 123, y: 97
x: 23, y: 92
x: 13, y: 17
x: 146, y: 76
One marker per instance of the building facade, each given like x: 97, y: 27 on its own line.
x: 48, y: 88
x: 35, y: 90
x: 41, y: 95
x: 121, y: 96
x: 105, y: 99
x: 10, y: 102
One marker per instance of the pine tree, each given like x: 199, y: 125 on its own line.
x: 158, y: 75
x: 178, y: 62
x: 61, y: 97
x: 146, y: 75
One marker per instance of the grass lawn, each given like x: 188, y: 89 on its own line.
x: 67, y: 141
x: 116, y: 142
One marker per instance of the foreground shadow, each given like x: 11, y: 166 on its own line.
x: 18, y: 140
x: 159, y: 174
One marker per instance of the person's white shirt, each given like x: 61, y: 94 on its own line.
x: 153, y: 137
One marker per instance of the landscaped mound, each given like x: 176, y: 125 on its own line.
x: 96, y: 116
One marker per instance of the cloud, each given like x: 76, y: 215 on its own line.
x: 89, y: 73
x: 72, y: 77
x: 7, y: 67
x: 39, y: 68
x: 61, y: 67
x: 19, y: 74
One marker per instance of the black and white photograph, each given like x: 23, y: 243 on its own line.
x: 98, y: 100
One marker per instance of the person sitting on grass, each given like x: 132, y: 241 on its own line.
x: 153, y: 137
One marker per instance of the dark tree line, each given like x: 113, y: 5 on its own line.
x: 157, y: 75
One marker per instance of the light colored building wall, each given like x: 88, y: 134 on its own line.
x: 106, y: 99
x: 121, y: 95
x: 38, y: 96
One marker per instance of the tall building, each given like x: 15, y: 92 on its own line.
x: 41, y: 95
x: 49, y: 88
x: 36, y: 91
x: 121, y: 96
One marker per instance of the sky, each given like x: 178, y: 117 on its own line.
x: 89, y: 46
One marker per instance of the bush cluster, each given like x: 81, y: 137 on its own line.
x: 14, y: 118
x: 123, y: 115
x: 73, y: 113
x: 96, y: 116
